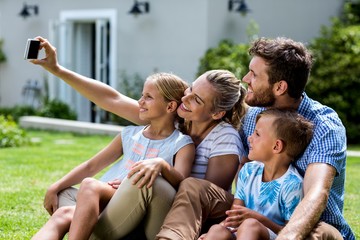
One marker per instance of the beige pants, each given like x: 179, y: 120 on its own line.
x: 196, y: 201
x: 67, y: 197
x: 324, y: 231
x: 129, y: 207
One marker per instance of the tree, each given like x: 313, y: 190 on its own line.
x: 227, y: 55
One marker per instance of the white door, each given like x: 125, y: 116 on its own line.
x: 102, y: 61
x: 86, y: 43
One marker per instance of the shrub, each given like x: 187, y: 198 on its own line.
x: 57, y: 109
x: 227, y: 55
x: 2, y: 54
x: 130, y: 86
x: 18, y: 111
x: 230, y: 56
x: 10, y: 133
x: 335, y: 77
x: 51, y: 109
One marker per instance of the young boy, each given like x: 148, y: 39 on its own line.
x: 268, y: 189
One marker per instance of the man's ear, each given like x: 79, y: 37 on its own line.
x: 218, y: 115
x: 171, y: 106
x: 280, y: 87
x: 278, y: 146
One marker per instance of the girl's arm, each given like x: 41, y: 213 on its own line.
x: 150, y: 169
x: 102, y: 159
x: 100, y: 93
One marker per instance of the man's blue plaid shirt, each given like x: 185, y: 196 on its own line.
x: 328, y: 145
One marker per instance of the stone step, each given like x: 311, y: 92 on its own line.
x: 43, y: 123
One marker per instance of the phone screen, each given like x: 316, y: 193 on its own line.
x: 32, y: 49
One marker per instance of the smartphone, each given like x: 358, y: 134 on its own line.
x: 32, y: 49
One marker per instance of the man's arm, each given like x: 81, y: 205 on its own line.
x: 318, y: 180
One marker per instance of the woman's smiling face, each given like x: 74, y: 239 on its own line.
x: 197, y: 104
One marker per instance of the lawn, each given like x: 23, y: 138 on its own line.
x: 26, y: 172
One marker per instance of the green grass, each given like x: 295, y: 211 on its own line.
x: 352, y: 194
x: 26, y: 173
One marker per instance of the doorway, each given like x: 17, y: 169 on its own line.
x: 87, y: 45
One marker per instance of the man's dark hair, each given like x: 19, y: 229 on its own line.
x: 286, y: 60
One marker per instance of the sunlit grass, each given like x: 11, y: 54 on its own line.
x: 26, y: 173
x: 352, y: 194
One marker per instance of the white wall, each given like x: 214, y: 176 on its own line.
x: 172, y: 37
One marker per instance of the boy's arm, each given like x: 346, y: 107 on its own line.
x: 317, y: 183
x: 238, y: 213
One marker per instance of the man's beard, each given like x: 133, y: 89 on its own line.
x: 263, y: 98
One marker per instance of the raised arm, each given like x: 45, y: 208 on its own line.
x: 317, y: 183
x: 101, y: 94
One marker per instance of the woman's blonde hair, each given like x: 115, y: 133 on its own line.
x: 230, y: 95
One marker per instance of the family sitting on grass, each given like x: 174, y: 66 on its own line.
x: 180, y: 189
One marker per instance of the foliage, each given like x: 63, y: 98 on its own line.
x: 10, y: 133
x: 2, y: 54
x: 51, y: 109
x: 227, y: 55
x: 18, y: 111
x: 351, y: 14
x: 335, y: 77
x: 12, y: 136
x: 130, y: 86
x: 57, y: 109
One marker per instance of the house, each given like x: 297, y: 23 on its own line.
x: 102, y: 39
